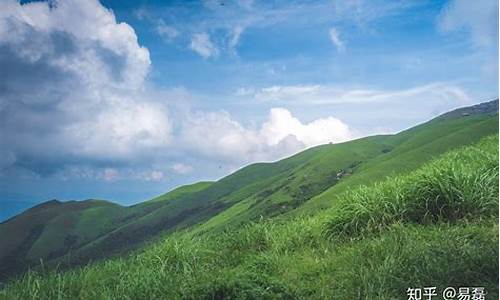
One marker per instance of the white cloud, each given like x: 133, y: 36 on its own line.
x: 227, y: 20
x: 323, y: 94
x: 278, y: 92
x: 218, y: 136
x: 235, y: 38
x: 365, y: 12
x: 201, y: 44
x: 82, y: 88
x: 165, y: 31
x: 335, y: 38
x: 479, y: 18
x: 390, y: 108
x: 120, y: 131
x: 281, y: 124
x: 110, y: 174
x: 79, y: 77
x: 154, y: 176
x: 181, y: 168
x: 87, y: 101
x: 96, y: 34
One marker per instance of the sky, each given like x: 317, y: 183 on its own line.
x: 124, y: 100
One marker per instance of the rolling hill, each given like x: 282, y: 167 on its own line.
x: 435, y: 225
x: 76, y: 232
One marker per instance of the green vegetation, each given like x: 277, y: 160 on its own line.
x: 180, y: 192
x: 410, y: 149
x: 365, y: 219
x: 462, y: 185
x: 52, y: 229
x: 435, y: 226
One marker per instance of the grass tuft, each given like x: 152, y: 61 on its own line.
x: 461, y: 185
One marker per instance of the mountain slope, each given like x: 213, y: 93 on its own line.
x: 437, y: 224
x: 76, y: 232
x: 51, y: 229
x: 396, y: 154
x: 419, y: 146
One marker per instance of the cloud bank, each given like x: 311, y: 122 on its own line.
x: 72, y: 86
x: 75, y: 102
x: 217, y: 135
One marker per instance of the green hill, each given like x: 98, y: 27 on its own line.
x: 305, y: 184
x: 434, y: 226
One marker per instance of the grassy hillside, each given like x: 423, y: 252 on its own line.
x: 364, y: 161
x: 51, y: 229
x: 290, y: 185
x: 181, y: 191
x: 54, y: 229
x: 304, y: 184
x: 434, y: 226
x: 412, y: 148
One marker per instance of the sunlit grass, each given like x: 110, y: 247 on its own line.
x: 461, y: 185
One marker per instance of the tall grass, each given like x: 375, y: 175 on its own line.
x: 461, y: 185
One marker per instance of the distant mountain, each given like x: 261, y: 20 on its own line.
x: 69, y: 233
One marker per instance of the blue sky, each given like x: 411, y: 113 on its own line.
x: 124, y: 100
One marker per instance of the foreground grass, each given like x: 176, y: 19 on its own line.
x: 461, y: 185
x: 434, y: 227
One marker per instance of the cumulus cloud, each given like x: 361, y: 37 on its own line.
x: 122, y: 130
x: 282, y: 124
x: 389, y: 108
x: 74, y: 103
x: 74, y: 100
x: 72, y: 86
x: 217, y: 135
x: 479, y: 18
x: 201, y: 44
x: 335, y: 38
